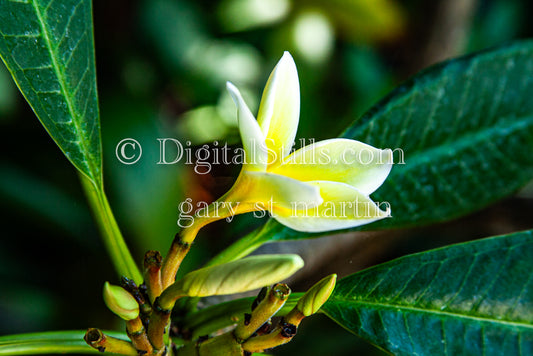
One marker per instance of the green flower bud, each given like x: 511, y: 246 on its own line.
x: 239, y: 276
x: 315, y: 297
x: 120, y: 302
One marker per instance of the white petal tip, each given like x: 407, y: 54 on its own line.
x: 230, y: 86
x: 287, y: 61
x: 235, y: 94
x: 286, y: 54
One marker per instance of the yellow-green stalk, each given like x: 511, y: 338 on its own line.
x: 103, y: 343
x: 152, y: 274
x: 268, y: 307
x: 309, y: 304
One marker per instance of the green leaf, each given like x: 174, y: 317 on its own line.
x: 466, y: 130
x: 54, y: 342
x: 48, y: 47
x: 473, y: 298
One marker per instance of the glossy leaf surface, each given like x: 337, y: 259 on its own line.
x: 473, y: 298
x: 48, y: 48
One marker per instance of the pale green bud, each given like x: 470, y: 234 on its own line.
x: 239, y: 276
x: 120, y: 302
x: 315, y: 297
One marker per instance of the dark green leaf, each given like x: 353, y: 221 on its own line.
x: 48, y: 48
x: 466, y: 128
x: 473, y: 298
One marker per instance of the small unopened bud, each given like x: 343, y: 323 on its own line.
x: 240, y: 276
x: 120, y: 302
x: 315, y: 297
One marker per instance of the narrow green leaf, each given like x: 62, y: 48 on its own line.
x: 465, y: 127
x: 55, y: 342
x: 48, y: 47
x: 473, y: 298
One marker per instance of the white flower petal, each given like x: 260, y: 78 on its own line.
x: 252, y: 138
x: 279, y: 110
x: 339, y: 160
x: 343, y: 207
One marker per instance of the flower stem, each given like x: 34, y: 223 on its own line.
x: 282, y: 334
x: 160, y: 318
x: 271, y: 303
x: 158, y: 326
x: 99, y: 341
x: 152, y: 274
x: 177, y: 252
x: 181, y: 244
x: 137, y: 334
x: 113, y: 240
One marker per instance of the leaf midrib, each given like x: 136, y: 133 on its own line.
x: 427, y: 311
x: 469, y: 138
x: 61, y: 78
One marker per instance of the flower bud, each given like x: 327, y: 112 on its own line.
x: 120, y: 302
x: 315, y: 297
x: 239, y: 276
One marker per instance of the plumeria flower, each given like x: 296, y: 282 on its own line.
x: 322, y: 186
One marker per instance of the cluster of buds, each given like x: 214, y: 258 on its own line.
x: 256, y: 332
x: 147, y: 309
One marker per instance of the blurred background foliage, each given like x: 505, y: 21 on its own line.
x: 162, y: 65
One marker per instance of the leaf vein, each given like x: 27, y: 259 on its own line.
x: 438, y: 313
x: 70, y: 105
x: 406, y: 323
x: 431, y: 119
x: 491, y: 284
x: 465, y: 278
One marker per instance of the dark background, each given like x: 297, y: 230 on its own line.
x: 162, y: 65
